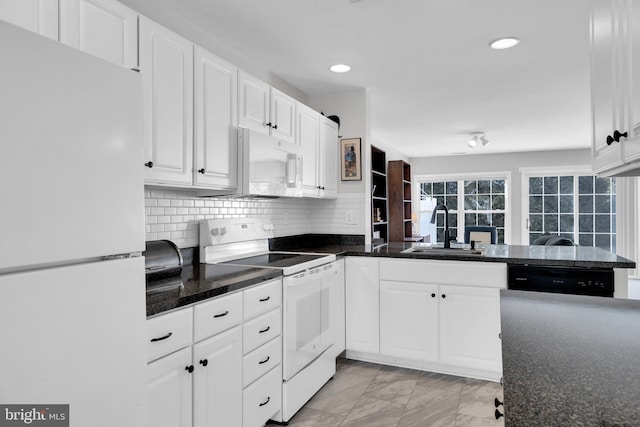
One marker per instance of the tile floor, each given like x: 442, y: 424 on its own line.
x: 367, y: 394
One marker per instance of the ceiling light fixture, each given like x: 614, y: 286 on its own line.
x: 340, y: 68
x: 477, y: 137
x: 504, y: 43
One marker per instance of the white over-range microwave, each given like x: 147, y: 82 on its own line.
x: 268, y: 166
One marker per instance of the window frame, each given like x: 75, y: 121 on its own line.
x: 505, y: 175
x: 529, y: 172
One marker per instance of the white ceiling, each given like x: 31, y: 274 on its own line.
x: 431, y: 75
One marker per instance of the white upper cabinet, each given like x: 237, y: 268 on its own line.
x: 216, y: 122
x: 166, y: 65
x: 104, y: 28
x: 318, y: 137
x: 253, y: 103
x: 308, y: 129
x: 328, y: 156
x: 283, y: 115
x: 615, y: 86
x: 265, y: 109
x: 39, y: 16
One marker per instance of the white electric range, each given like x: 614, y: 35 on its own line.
x: 309, y: 287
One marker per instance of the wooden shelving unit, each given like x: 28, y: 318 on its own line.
x: 399, y: 198
x: 379, y: 202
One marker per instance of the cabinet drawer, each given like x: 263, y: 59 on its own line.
x: 261, y: 360
x: 168, y: 333
x: 262, y: 298
x: 261, y: 400
x: 464, y: 273
x: 217, y: 315
x: 260, y: 330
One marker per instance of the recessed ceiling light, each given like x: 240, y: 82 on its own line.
x: 504, y: 43
x: 340, y: 68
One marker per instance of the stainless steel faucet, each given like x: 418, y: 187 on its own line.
x: 447, y: 244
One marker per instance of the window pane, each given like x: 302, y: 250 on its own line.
x: 471, y: 202
x: 566, y: 224
x: 533, y: 237
x: 566, y: 204
x: 566, y: 185
x: 585, y: 185
x: 603, y: 204
x: 535, y: 223
x: 438, y: 188
x: 535, y: 204
x: 484, y: 202
x: 470, y: 219
x: 602, y: 224
x: 550, y: 185
x: 603, y: 241
x: 497, y: 220
x: 470, y: 187
x: 484, y: 186
x: 535, y: 185
x: 497, y: 202
x: 501, y: 235
x: 603, y: 186
x: 497, y: 186
x: 550, y: 204
x: 484, y: 219
x: 451, y: 202
x: 586, y: 223
x: 585, y: 204
x: 452, y: 187
x: 586, y: 239
x: 551, y: 223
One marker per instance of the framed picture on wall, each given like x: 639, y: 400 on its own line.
x: 351, y: 160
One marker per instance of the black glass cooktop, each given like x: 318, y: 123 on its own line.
x: 275, y: 259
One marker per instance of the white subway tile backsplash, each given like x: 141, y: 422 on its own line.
x: 175, y: 215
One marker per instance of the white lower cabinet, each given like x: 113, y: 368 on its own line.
x: 217, y: 387
x: 362, y: 277
x: 409, y: 320
x: 198, y: 372
x: 441, y: 316
x: 169, y: 397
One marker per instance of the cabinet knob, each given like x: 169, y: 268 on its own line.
x: 433, y: 295
x: 609, y: 140
x: 149, y: 164
x: 497, y: 403
x: 189, y: 368
x: 617, y: 135
x: 204, y: 362
x: 275, y: 126
x: 444, y: 296
x: 269, y: 124
x: 498, y: 414
x: 202, y: 171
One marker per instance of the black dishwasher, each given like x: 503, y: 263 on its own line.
x: 565, y: 280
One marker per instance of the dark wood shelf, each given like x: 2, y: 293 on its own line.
x: 399, y: 195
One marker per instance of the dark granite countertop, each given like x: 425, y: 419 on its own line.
x: 202, y: 281
x: 560, y: 256
x: 570, y: 360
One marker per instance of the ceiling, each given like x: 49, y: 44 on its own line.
x: 431, y: 75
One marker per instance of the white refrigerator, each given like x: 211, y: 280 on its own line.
x: 72, y: 287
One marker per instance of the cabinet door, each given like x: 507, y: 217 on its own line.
x: 328, y: 154
x: 216, y: 124
x: 632, y: 50
x: 39, y: 16
x: 362, y: 304
x: 470, y: 327
x: 606, y: 96
x: 104, y: 28
x: 253, y: 103
x: 169, y: 391
x: 218, y: 380
x: 409, y: 320
x: 283, y: 116
x: 308, y: 129
x: 166, y: 65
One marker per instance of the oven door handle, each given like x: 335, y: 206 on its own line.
x: 302, y: 279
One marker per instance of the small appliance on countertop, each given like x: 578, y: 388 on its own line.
x: 162, y: 259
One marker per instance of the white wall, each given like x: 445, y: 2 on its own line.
x: 509, y: 162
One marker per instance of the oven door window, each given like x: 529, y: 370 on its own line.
x: 307, y: 326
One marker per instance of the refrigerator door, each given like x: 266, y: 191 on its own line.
x: 71, y: 169
x: 76, y: 335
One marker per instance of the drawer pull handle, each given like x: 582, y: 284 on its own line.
x: 264, y: 361
x: 264, y: 299
x: 266, y: 401
x: 221, y: 314
x: 162, y: 338
x: 265, y: 330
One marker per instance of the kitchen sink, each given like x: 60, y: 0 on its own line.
x: 442, y: 251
